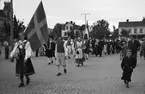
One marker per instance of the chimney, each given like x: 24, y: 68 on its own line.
x: 127, y: 20
x: 143, y: 20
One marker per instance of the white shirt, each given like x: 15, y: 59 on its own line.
x: 27, y: 48
x: 79, y: 44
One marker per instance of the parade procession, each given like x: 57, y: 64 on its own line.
x: 73, y: 56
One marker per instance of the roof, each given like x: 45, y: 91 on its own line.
x: 2, y: 15
x: 132, y: 24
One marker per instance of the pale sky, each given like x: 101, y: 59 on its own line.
x: 60, y: 11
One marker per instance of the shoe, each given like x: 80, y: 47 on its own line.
x: 28, y: 81
x: 125, y: 81
x: 65, y: 71
x: 49, y: 63
x: 127, y: 85
x: 21, y: 85
x: 58, y: 74
x: 78, y: 65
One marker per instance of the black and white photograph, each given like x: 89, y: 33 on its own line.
x: 72, y: 46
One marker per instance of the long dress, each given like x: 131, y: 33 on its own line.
x: 127, y: 65
x: 21, y: 51
x: 50, y: 49
x: 79, y: 52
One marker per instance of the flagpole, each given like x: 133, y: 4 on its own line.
x: 11, y: 23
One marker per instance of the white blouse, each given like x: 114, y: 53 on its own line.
x: 28, y: 49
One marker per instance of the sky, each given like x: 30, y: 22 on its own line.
x: 61, y: 11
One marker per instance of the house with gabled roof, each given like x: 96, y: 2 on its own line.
x: 134, y: 28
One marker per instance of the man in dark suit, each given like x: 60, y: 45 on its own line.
x: 134, y: 46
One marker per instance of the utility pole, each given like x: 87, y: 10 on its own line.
x: 11, y: 23
x: 85, y: 14
x: 86, y: 22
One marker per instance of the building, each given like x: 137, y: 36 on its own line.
x: 4, y: 17
x: 134, y: 28
x: 67, y: 29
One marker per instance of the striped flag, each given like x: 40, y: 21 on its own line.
x: 37, y: 30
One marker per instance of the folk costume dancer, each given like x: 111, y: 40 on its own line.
x: 50, y: 51
x: 73, y: 47
x: 22, y: 51
x: 86, y: 49
x: 127, y: 65
x: 105, y: 48
x: 60, y: 55
x: 68, y: 45
x: 79, y: 52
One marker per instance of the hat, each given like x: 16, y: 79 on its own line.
x: 129, y: 51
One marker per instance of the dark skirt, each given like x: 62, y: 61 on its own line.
x: 126, y: 75
x: 49, y: 53
x: 79, y: 60
x: 86, y: 51
x: 24, y: 68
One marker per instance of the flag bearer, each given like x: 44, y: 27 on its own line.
x: 22, y: 51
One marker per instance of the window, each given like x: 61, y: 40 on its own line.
x: 135, y: 30
x: 141, y: 30
x: 129, y: 31
x: 65, y: 33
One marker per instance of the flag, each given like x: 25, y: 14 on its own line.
x: 37, y: 31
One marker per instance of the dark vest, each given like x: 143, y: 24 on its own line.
x: 68, y: 42
x: 60, y: 47
x: 22, y: 50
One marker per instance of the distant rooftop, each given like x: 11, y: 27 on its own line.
x: 132, y: 24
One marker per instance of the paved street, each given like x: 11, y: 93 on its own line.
x: 97, y: 76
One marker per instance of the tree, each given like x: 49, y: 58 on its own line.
x: 57, y: 30
x: 6, y: 30
x: 18, y: 26
x: 115, y: 33
x: 101, y: 29
x: 124, y: 33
